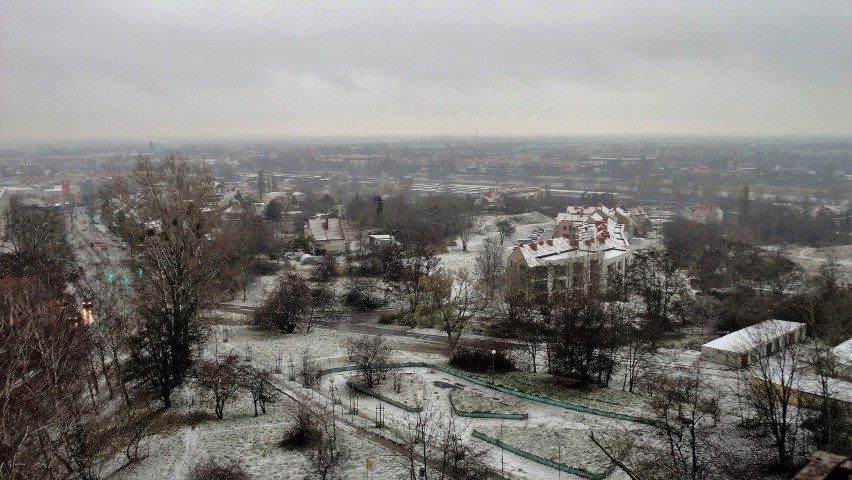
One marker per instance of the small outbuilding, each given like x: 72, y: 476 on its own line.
x: 738, y: 349
x: 843, y: 358
x: 307, y: 259
x: 378, y: 241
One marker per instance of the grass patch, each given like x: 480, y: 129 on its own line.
x: 549, y: 386
x: 469, y: 401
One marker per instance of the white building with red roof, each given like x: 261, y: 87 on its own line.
x: 586, y: 257
x: 706, y: 214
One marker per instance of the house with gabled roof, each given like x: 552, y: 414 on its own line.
x: 327, y: 234
x: 706, y: 214
x: 585, y: 263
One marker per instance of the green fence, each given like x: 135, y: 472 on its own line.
x: 499, y: 388
x: 544, y: 461
x: 373, y: 393
x: 504, y: 416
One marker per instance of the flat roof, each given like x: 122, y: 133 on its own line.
x: 747, y: 338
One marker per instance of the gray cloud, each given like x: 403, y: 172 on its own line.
x: 147, y: 69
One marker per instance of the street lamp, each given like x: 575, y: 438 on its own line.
x: 559, y: 446
x: 493, y: 357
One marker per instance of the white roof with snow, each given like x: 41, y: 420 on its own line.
x: 559, y: 249
x: 843, y: 352
x: 326, y: 229
x: 747, y: 338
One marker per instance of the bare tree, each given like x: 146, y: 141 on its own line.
x: 222, y: 379
x: 435, y: 446
x: 654, y: 276
x: 138, y: 422
x: 404, y: 265
x: 584, y: 338
x: 489, y: 265
x: 322, y: 308
x: 169, y: 209
x: 470, y: 222
x: 287, y: 306
x: 688, y: 408
x: 455, y: 300
x: 308, y: 368
x: 828, y: 419
x: 258, y: 382
x: 769, y: 386
x: 420, y: 440
x: 505, y: 229
x: 371, y: 356
x: 461, y: 458
x: 519, y: 318
x: 46, y: 429
x: 330, y: 452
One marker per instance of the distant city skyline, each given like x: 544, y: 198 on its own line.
x: 134, y: 70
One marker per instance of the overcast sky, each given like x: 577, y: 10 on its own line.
x: 151, y: 70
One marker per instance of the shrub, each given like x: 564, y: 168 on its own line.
x: 304, y: 432
x: 361, y: 294
x: 265, y: 267
x: 211, y: 470
x: 387, y: 318
x: 480, y: 361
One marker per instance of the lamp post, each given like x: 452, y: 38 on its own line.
x: 493, y: 358
x: 559, y: 462
x: 502, y: 469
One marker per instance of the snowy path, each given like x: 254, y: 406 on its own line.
x: 190, y: 454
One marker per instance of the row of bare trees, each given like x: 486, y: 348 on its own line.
x: 60, y: 370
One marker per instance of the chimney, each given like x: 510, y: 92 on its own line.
x: 534, y: 246
x: 325, y: 224
x: 588, y: 243
x: 541, y: 242
x: 550, y: 242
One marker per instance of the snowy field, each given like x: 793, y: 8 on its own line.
x: 254, y: 441
x: 456, y: 259
x: 811, y: 259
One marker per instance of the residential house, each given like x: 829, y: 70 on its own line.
x: 328, y: 235
x: 492, y: 200
x: 588, y: 259
x: 706, y: 214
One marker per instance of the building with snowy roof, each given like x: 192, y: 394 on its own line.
x: 328, y: 234
x: 741, y: 348
x: 843, y: 357
x: 706, y: 214
x: 575, y: 216
x: 561, y: 263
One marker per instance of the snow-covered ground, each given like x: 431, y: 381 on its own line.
x: 254, y: 441
x: 811, y: 259
x: 456, y: 259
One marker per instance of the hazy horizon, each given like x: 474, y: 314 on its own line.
x: 134, y: 71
